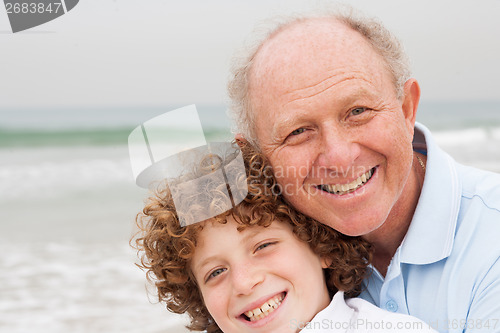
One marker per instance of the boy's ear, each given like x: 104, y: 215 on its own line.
x: 240, y: 139
x: 325, y: 262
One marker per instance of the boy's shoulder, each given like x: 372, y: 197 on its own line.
x: 370, y: 318
x: 358, y: 315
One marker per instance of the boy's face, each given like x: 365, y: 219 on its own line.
x: 262, y: 270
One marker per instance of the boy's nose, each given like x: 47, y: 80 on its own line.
x: 245, y: 278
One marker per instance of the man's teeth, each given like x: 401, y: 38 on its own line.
x: 265, y: 309
x: 352, y: 186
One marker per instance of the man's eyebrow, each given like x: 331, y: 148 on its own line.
x: 343, y: 101
x: 285, y: 122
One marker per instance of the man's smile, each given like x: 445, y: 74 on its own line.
x: 341, y: 189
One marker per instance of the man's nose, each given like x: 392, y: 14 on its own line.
x: 337, y: 149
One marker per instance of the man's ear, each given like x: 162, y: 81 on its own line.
x: 240, y: 140
x: 410, y: 102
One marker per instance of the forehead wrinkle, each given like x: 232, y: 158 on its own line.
x: 324, y: 85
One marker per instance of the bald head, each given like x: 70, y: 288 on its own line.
x: 306, y: 41
x: 303, y: 55
x: 317, y: 44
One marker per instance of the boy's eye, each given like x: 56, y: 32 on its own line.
x: 215, y: 273
x: 263, y: 246
x: 357, y: 111
x: 298, y: 131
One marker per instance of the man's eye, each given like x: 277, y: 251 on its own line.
x: 357, y: 111
x: 215, y: 273
x: 298, y: 131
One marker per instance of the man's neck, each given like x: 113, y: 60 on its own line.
x: 388, y: 237
x: 386, y: 241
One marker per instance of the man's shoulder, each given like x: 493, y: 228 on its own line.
x: 482, y: 186
x: 478, y: 224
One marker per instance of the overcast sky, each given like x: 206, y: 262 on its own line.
x: 161, y: 52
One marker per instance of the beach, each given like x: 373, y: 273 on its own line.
x: 68, y: 203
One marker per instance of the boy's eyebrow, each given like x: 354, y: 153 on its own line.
x: 251, y: 234
x: 203, y: 263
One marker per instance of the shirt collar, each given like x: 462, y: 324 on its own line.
x: 336, y: 312
x: 431, y: 233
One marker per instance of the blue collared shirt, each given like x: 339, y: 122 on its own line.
x: 447, y: 269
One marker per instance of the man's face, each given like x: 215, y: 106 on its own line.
x: 258, y: 279
x: 328, y: 118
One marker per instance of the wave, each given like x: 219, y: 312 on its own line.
x: 73, y: 287
x: 459, y: 115
x: 89, y: 136
x: 53, y: 172
x: 55, y: 164
x: 119, y: 136
x: 468, y: 136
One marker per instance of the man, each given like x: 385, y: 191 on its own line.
x: 329, y: 100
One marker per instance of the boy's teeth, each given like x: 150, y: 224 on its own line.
x: 265, y: 309
x: 346, y: 188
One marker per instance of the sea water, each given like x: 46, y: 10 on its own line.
x: 68, y: 203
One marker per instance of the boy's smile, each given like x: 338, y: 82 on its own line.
x: 265, y: 309
x: 258, y: 279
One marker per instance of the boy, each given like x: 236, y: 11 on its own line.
x: 259, y: 267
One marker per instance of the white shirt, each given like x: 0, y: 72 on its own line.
x: 358, y: 315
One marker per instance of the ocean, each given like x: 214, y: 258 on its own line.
x: 68, y: 203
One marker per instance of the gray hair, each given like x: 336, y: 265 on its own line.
x: 381, y: 39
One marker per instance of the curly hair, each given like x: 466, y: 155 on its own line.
x: 165, y: 247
